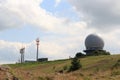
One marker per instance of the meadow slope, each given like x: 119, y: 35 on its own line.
x: 106, y: 67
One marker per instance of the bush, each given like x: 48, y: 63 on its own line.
x: 75, y: 64
x: 98, y: 52
x: 79, y: 55
x: 49, y: 78
x: 117, y: 64
x: 41, y: 78
x: 65, y: 67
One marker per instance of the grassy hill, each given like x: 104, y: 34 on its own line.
x: 106, y: 67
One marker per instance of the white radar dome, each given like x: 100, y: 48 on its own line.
x: 94, y: 42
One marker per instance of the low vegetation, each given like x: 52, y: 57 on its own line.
x: 80, y: 55
x: 98, y: 52
x: 104, y: 67
x: 75, y: 64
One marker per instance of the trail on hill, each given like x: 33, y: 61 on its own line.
x: 6, y: 73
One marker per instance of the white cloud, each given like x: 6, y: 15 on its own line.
x: 9, y: 51
x: 57, y: 2
x: 100, y: 14
x: 30, y: 12
x: 6, y: 19
x: 27, y: 11
x: 111, y: 41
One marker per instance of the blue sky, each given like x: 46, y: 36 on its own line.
x: 61, y: 25
x: 63, y: 9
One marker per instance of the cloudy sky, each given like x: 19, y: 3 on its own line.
x: 61, y: 25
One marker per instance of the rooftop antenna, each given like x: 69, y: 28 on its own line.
x: 37, y: 43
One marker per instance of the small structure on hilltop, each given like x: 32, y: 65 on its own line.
x: 31, y: 61
x: 42, y: 59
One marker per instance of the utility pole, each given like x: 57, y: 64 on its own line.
x: 22, y: 50
x: 37, y: 43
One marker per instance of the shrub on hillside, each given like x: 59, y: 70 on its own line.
x: 98, y: 52
x: 117, y: 64
x: 75, y: 64
x: 79, y: 55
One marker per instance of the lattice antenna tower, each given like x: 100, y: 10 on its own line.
x: 22, y: 51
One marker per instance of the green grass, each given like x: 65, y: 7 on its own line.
x: 47, y: 67
x: 103, y: 62
x: 92, y: 65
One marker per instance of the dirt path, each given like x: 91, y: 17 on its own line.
x: 6, y: 73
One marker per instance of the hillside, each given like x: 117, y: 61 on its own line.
x: 105, y: 67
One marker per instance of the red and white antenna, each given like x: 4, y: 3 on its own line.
x: 37, y: 43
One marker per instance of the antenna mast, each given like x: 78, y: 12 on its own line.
x: 37, y: 43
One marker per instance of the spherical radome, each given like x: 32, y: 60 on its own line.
x: 94, y: 42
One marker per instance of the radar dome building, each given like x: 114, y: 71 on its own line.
x: 93, y: 43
